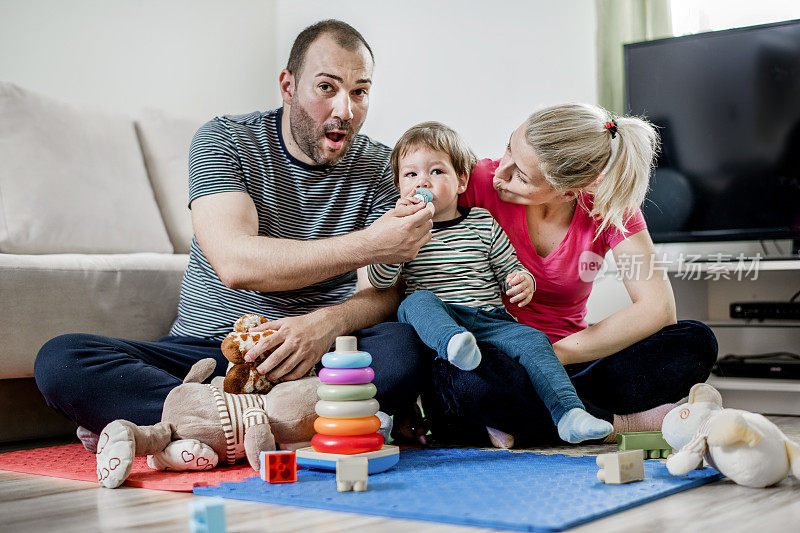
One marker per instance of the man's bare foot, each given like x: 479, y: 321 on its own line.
x: 500, y: 439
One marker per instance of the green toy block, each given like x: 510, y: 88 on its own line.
x: 651, y: 442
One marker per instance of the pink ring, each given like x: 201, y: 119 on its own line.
x: 346, y: 376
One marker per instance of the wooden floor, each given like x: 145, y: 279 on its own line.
x: 42, y: 504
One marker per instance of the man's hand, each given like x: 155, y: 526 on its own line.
x: 397, y: 236
x: 521, y: 288
x: 299, y: 342
x: 408, y: 201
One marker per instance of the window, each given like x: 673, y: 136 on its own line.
x: 696, y: 16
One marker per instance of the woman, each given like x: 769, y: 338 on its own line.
x: 567, y: 190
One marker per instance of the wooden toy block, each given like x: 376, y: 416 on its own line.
x: 621, y: 467
x: 207, y: 516
x: 651, y: 442
x: 278, y: 467
x: 351, y: 474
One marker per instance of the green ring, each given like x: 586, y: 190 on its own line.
x: 344, y: 393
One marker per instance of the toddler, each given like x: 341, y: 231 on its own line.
x: 454, y: 285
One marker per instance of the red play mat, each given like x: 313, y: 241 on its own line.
x: 72, y: 461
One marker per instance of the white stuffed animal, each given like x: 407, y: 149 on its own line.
x: 746, y: 447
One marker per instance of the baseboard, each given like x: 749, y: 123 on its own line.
x: 24, y: 415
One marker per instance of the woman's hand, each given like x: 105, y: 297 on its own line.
x: 521, y: 288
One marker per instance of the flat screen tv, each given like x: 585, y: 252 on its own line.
x: 727, y: 105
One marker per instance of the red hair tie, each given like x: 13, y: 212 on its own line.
x: 612, y: 127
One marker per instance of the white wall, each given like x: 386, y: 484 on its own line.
x: 480, y: 67
x: 195, y: 58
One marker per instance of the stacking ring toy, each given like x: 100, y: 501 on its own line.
x: 347, y: 426
x: 354, y: 409
x: 346, y: 376
x: 347, y: 445
x: 345, y: 393
x: 346, y: 360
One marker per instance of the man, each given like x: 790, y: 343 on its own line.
x: 286, y: 205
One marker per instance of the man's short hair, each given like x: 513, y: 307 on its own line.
x: 344, y: 34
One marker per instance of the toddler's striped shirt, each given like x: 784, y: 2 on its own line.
x: 465, y: 263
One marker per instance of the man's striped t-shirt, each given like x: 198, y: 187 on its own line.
x: 465, y: 263
x: 294, y: 201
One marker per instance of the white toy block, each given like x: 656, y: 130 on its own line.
x: 621, y: 467
x: 351, y: 474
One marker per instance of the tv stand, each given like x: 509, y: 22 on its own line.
x: 705, y: 295
x: 708, y: 300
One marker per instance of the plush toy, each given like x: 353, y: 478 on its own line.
x: 746, y: 447
x: 242, y: 376
x: 202, y: 425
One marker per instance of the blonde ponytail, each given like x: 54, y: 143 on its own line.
x: 577, y: 151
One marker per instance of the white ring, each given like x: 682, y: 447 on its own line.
x: 351, y: 409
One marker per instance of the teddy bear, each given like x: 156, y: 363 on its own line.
x: 746, y: 447
x: 202, y: 425
x: 241, y: 376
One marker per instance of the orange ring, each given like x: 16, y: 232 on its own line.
x: 347, y: 426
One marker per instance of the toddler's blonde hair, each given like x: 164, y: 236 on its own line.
x: 575, y: 149
x: 436, y: 136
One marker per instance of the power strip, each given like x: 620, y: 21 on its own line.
x: 766, y: 310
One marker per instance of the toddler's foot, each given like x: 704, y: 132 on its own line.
x: 578, y: 425
x: 500, y: 439
x: 463, y: 352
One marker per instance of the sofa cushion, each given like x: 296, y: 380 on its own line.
x: 131, y: 296
x: 165, y: 141
x: 72, y: 180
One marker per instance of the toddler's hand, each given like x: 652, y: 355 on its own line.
x: 404, y: 203
x: 521, y: 289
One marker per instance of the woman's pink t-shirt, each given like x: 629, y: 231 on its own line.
x: 564, y: 277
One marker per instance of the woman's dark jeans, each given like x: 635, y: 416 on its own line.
x: 659, y: 369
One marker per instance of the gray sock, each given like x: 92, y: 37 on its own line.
x: 88, y: 439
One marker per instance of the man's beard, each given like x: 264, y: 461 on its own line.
x: 307, y: 136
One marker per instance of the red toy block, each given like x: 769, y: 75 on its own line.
x: 278, y: 467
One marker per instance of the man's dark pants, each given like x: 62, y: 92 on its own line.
x: 94, y: 380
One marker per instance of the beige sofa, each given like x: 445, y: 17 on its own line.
x: 94, y: 232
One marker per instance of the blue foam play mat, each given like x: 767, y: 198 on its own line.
x: 486, y: 488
